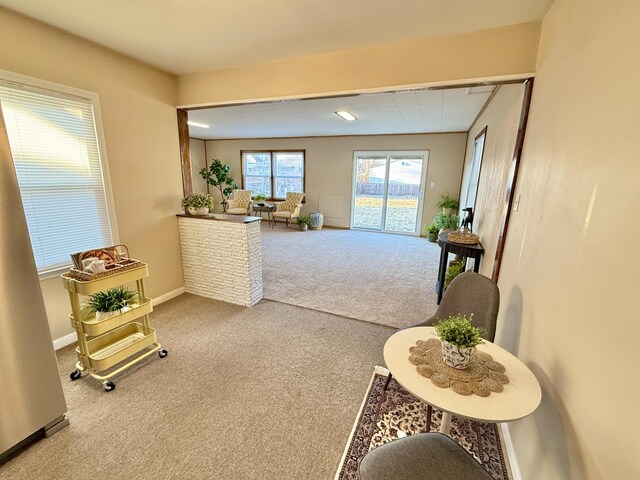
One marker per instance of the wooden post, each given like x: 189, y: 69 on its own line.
x: 185, y: 153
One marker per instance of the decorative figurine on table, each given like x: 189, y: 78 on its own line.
x: 467, y: 222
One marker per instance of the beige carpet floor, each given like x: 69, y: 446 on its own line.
x: 381, y: 278
x: 268, y: 392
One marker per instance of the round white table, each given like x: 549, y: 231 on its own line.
x: 520, y: 397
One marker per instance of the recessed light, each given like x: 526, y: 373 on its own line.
x: 346, y: 115
x: 199, y: 125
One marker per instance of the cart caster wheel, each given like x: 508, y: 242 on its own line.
x: 162, y: 353
x: 108, y: 386
x: 76, y: 374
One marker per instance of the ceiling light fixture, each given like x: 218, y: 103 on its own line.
x: 196, y: 124
x: 346, y: 115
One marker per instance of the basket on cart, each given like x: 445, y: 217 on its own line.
x: 116, y: 260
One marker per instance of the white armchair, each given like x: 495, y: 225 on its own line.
x: 240, y: 203
x: 290, y: 208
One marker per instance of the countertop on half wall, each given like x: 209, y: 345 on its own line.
x: 222, y: 217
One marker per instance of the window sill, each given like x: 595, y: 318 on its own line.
x: 53, y: 273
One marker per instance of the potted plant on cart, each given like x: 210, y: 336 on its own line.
x: 447, y: 204
x: 111, y: 302
x: 459, y: 340
x: 432, y: 232
x: 197, y: 203
x: 218, y: 176
x: 303, y: 222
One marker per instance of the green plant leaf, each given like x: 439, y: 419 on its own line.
x: 446, y: 221
x: 218, y: 176
x: 111, y: 300
x: 458, y: 330
x: 447, y: 201
x: 197, y: 200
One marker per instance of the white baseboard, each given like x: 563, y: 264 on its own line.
x: 510, y: 452
x: 167, y: 296
x: 62, y: 342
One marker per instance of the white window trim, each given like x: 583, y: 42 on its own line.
x: 272, y: 177
x: 423, y: 187
x: 57, y: 88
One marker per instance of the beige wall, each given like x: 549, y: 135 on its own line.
x: 198, y: 162
x: 569, y: 279
x: 502, y: 118
x: 329, y: 165
x: 139, y: 117
x: 484, y: 54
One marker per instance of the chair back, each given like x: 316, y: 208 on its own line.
x: 469, y: 293
x: 292, y: 200
x: 242, y: 198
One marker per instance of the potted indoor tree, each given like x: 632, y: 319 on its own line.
x: 111, y: 302
x: 447, y: 204
x: 218, y: 176
x: 198, y: 203
x: 432, y: 232
x: 303, y: 222
x: 459, y: 340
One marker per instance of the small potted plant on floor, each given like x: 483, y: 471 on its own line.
x: 456, y: 267
x: 446, y: 223
x: 111, y: 302
x: 260, y: 198
x: 459, y: 340
x: 198, y: 203
x: 448, y: 204
x: 303, y: 222
x: 432, y: 232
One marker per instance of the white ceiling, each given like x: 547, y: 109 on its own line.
x: 184, y: 36
x: 449, y: 110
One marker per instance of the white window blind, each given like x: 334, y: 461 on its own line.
x: 55, y: 150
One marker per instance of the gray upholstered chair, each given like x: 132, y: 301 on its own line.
x: 468, y: 293
x: 428, y: 456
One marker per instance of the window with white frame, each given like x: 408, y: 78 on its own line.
x: 273, y: 172
x: 54, y: 144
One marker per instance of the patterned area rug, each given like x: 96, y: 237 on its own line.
x: 384, y: 413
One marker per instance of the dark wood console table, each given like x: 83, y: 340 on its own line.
x: 467, y: 251
x: 266, y: 208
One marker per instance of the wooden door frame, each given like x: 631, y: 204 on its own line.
x: 513, y: 178
x: 185, y: 156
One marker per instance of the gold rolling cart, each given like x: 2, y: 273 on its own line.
x: 121, y: 340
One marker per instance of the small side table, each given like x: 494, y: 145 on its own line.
x: 467, y: 251
x: 269, y: 209
x: 520, y: 397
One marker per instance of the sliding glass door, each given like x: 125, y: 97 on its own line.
x: 388, y: 191
x: 370, y: 174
